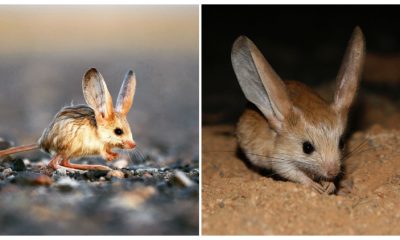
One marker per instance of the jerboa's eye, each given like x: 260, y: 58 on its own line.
x: 118, y: 131
x: 308, y: 148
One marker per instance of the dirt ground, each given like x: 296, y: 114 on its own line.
x: 238, y: 199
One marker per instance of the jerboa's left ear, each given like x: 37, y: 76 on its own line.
x: 97, y: 95
x: 350, y: 73
x: 125, y: 96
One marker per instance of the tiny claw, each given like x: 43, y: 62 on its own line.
x: 111, y: 155
x: 329, y: 187
x: 324, y: 187
x: 317, y: 187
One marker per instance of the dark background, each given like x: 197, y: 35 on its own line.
x: 303, y: 42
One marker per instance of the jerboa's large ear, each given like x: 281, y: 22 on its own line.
x: 350, y: 72
x: 259, y: 82
x: 125, y: 97
x: 97, y: 95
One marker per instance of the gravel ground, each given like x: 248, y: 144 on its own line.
x: 154, y: 195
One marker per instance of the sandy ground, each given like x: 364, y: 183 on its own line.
x: 238, y: 200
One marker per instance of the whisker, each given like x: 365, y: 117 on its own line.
x: 358, y: 150
x: 361, y: 144
x: 140, y: 153
x: 137, y: 154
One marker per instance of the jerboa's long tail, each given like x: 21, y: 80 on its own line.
x: 18, y: 149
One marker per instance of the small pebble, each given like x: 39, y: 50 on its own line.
x: 6, y: 172
x: 61, y: 171
x: 43, y: 180
x: 18, y: 165
x: 149, y: 170
x: 147, y: 175
x: 121, y: 163
x: 116, y: 174
x: 5, y: 144
x: 28, y: 178
x: 96, y: 174
x: 133, y: 199
x: 66, y: 183
x: 26, y: 161
x: 182, y: 178
x: 11, y: 177
x: 194, y: 172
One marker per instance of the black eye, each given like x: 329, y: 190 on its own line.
x: 118, y: 131
x: 308, y: 148
x: 341, y: 143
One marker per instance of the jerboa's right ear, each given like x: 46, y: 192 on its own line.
x: 259, y: 82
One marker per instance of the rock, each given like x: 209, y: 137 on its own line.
x: 121, y: 163
x: 115, y: 173
x: 194, y: 172
x: 128, y: 172
x: 6, y: 172
x: 26, y: 161
x: 181, y: 178
x: 96, y: 174
x: 61, y: 171
x: 147, y: 175
x: 134, y: 198
x: 28, y: 178
x: 18, y: 165
x: 66, y: 184
x: 144, y: 170
x: 4, y: 144
x: 42, y: 180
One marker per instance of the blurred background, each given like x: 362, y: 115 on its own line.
x: 45, y: 50
x: 304, y: 43
x: 44, y: 53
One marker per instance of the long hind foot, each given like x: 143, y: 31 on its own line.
x: 55, y: 162
x: 66, y: 163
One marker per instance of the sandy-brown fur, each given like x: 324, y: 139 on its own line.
x: 71, y: 133
x: 264, y: 146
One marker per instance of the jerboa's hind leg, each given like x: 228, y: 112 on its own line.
x: 65, y: 162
